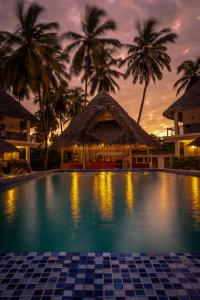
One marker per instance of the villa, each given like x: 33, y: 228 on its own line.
x: 185, y: 110
x: 15, y: 127
x: 104, y: 136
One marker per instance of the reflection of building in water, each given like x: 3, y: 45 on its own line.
x: 10, y: 203
x: 75, y: 197
x: 196, y: 198
x: 129, y: 190
x: 103, y: 191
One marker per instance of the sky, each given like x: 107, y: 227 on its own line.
x: 182, y: 16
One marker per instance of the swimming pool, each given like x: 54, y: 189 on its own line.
x: 102, y: 211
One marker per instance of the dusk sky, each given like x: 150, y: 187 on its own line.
x: 183, y: 16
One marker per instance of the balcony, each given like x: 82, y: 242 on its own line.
x: 184, y: 130
x: 14, y: 136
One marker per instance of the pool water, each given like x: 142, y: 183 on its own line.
x: 102, y: 211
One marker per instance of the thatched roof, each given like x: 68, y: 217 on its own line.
x: 9, y: 107
x: 191, y: 99
x: 7, y: 147
x: 195, y: 143
x: 90, y: 127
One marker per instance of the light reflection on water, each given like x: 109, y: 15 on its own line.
x: 75, y: 197
x: 103, y: 193
x: 196, y: 199
x: 129, y: 190
x: 10, y: 203
x: 102, y: 211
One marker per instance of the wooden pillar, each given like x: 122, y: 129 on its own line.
x: 176, y: 123
x: 131, y: 159
x: 62, y: 158
x: 28, y: 130
x: 28, y: 154
x: 84, y: 157
x: 177, y: 148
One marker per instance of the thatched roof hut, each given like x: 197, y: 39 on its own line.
x: 103, y: 121
x: 7, y: 147
x: 195, y: 143
x: 9, y: 107
x: 190, y: 99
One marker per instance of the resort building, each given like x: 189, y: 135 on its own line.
x: 15, y: 126
x: 185, y: 112
x: 104, y: 136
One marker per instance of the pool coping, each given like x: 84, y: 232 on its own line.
x: 11, y: 180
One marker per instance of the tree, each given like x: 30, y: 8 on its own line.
x: 103, y: 76
x: 191, y: 74
x: 51, y: 119
x: 35, y: 63
x: 5, y: 51
x: 77, y: 102
x: 147, y: 56
x: 61, y: 102
x: 87, y: 45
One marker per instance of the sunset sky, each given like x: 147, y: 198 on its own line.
x: 183, y: 16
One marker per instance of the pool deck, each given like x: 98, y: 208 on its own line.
x: 63, y: 275
x: 7, y: 181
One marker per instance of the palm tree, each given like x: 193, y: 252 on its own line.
x: 147, y: 56
x: 87, y: 45
x: 77, y: 102
x: 191, y: 74
x: 5, y: 51
x: 103, y: 75
x: 50, y: 117
x: 35, y: 62
x: 61, y: 101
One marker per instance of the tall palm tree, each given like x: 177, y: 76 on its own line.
x: 87, y: 45
x: 61, y: 101
x: 34, y: 61
x: 76, y: 103
x: 51, y: 118
x: 5, y: 51
x: 191, y: 74
x: 147, y: 56
x: 103, y: 76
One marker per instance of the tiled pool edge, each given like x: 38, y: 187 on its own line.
x: 66, y: 276
x: 9, y: 181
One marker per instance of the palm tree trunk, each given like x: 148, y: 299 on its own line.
x: 45, y: 131
x: 142, y: 103
x: 87, y: 74
x: 86, y: 87
x: 61, y: 128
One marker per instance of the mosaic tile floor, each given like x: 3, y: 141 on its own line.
x: 99, y: 276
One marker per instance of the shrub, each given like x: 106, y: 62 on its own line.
x: 186, y: 163
x: 37, y: 159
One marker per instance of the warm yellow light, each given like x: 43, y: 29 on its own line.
x: 129, y: 191
x: 75, y: 197
x: 196, y: 199
x: 103, y: 191
x: 10, y: 203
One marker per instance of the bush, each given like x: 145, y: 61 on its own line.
x: 37, y: 159
x: 186, y: 163
x: 10, y: 165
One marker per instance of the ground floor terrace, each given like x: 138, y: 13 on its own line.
x: 112, y: 157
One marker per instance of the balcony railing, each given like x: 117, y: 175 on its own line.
x: 184, y: 129
x: 15, y: 136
